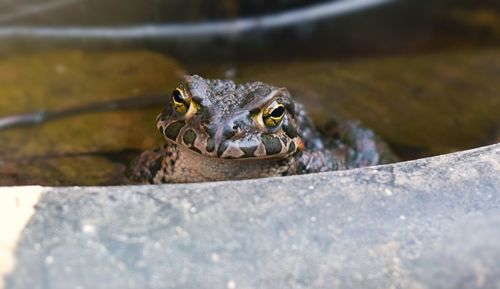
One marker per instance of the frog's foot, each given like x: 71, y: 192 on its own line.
x: 358, y: 145
x: 150, y: 166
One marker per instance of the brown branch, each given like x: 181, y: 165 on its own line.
x: 40, y: 117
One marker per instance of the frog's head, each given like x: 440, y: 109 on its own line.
x: 217, y: 118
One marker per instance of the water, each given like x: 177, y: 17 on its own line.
x: 422, y: 74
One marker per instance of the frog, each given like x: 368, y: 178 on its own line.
x: 218, y: 130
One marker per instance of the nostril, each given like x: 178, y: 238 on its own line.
x: 229, y: 133
x: 233, y: 129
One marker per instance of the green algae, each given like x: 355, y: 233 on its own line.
x: 70, y: 150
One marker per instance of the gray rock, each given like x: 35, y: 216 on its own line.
x: 430, y: 223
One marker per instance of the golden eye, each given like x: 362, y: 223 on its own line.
x: 181, y: 105
x: 273, y: 115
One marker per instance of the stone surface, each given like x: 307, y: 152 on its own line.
x: 430, y: 223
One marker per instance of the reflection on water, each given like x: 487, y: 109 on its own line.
x: 439, y: 98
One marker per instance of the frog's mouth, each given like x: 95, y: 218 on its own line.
x: 263, y: 146
x: 236, y: 146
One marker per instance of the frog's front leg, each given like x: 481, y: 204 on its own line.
x: 152, y: 165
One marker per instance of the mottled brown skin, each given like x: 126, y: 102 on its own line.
x: 217, y: 130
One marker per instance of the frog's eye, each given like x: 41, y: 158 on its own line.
x: 181, y: 105
x: 273, y: 115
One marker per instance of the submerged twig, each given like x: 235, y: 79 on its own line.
x: 230, y: 28
x: 40, y: 117
x: 35, y: 9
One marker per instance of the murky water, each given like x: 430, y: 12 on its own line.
x: 423, y: 86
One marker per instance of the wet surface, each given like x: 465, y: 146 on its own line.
x: 422, y: 105
x: 91, y: 148
x: 410, y: 26
x: 422, y: 74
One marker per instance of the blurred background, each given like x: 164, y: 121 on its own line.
x: 81, y: 81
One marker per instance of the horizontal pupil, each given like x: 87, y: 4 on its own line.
x: 278, y: 112
x: 177, y: 96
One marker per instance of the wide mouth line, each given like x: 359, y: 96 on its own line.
x: 276, y: 157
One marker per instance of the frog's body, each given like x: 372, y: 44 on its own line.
x: 217, y: 130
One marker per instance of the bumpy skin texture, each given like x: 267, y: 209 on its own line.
x: 218, y: 130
